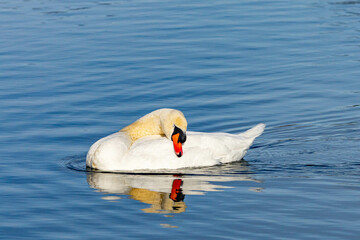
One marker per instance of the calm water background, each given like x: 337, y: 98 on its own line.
x: 71, y: 73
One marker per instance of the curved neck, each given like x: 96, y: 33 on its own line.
x: 146, y: 126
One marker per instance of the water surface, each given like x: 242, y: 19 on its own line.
x: 72, y: 73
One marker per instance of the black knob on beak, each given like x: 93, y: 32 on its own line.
x: 182, y: 137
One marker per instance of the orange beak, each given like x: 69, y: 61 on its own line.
x: 177, y: 144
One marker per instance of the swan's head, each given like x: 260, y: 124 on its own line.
x: 174, y: 126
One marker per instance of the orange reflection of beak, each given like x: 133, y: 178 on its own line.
x: 176, y: 192
x: 177, y: 145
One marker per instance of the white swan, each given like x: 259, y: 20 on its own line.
x: 146, y: 145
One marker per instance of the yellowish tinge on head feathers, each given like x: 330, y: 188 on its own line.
x: 159, y: 122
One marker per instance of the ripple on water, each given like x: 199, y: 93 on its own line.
x: 73, y: 72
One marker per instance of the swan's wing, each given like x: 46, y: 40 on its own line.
x: 224, y: 147
x: 200, y: 149
x: 156, y: 152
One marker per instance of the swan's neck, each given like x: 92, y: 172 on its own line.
x: 146, y: 126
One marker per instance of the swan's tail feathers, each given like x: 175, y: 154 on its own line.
x: 254, y: 132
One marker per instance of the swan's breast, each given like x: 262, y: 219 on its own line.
x: 108, y: 151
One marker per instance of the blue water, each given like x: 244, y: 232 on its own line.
x: 73, y: 72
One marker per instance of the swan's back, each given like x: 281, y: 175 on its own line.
x: 116, y: 152
x: 225, y: 147
x: 200, y: 149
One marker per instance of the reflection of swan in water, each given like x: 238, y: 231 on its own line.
x: 165, y: 193
x: 161, y: 202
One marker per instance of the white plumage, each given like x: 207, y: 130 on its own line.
x: 119, y: 151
